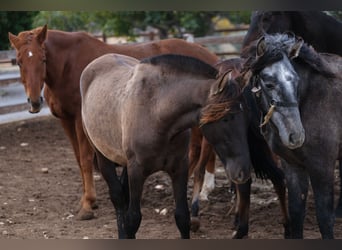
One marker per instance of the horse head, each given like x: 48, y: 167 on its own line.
x: 275, y: 85
x: 224, y: 125
x: 31, y: 59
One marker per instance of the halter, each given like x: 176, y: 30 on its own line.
x: 273, y: 103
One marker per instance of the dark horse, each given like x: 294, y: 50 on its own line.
x: 316, y: 28
x: 288, y: 76
x: 139, y: 115
x: 57, y: 59
x: 262, y: 159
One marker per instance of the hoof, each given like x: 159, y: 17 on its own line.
x: 239, y: 235
x: 94, y: 206
x: 85, y: 215
x: 195, y: 224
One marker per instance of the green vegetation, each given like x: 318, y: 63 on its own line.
x: 14, y: 21
x: 123, y: 23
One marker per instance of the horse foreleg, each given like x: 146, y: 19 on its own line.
x: 322, y: 182
x: 88, y: 197
x: 280, y: 188
x: 179, y: 177
x: 338, y: 211
x: 194, y: 149
x: 243, y: 192
x: 118, y: 190
x: 297, y: 184
x: 86, y: 152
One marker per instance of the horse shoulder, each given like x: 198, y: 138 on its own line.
x: 334, y: 61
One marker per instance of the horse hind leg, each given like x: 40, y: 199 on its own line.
x: 136, y: 180
x: 206, y: 159
x: 198, y: 182
x: 118, y: 190
x: 209, y: 177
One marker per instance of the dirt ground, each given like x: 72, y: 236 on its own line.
x: 37, y: 203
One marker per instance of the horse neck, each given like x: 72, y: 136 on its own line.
x: 319, y: 30
x: 68, y: 54
x: 182, y: 104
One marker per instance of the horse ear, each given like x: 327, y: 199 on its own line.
x: 14, y: 40
x: 222, y: 82
x: 261, y: 47
x: 295, y: 49
x: 42, y: 34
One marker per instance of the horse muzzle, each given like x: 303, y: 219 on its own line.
x: 296, y: 140
x: 238, y: 171
x: 35, y: 106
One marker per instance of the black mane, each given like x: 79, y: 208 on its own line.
x: 183, y: 64
x: 276, y: 45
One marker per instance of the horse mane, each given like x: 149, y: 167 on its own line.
x: 234, y: 64
x: 281, y: 42
x: 314, y: 59
x: 220, y: 104
x: 181, y: 64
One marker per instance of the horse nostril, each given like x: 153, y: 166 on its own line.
x: 292, y: 138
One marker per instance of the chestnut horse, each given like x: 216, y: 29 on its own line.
x: 139, y: 115
x: 57, y: 59
x: 316, y: 28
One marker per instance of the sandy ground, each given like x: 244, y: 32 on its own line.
x: 38, y: 204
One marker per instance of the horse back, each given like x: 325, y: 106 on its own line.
x: 174, y: 46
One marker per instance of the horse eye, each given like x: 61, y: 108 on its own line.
x: 270, y: 85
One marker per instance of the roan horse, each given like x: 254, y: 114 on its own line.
x: 261, y: 157
x: 58, y: 58
x: 316, y: 28
x: 139, y: 115
x: 289, y: 76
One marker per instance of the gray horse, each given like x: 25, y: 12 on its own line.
x: 138, y: 114
x: 291, y: 78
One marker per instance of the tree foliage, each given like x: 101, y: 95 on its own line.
x: 124, y: 23
x: 14, y: 22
